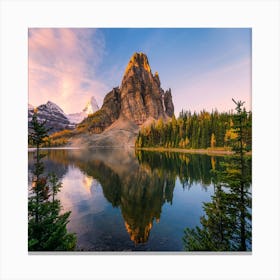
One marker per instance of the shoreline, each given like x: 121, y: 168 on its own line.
x: 31, y: 149
x: 211, y: 152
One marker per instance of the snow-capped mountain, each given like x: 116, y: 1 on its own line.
x: 54, y: 116
x: 54, y: 109
x: 90, y: 108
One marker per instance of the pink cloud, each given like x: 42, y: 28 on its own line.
x: 59, y: 67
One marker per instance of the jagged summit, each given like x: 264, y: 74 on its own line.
x: 53, y: 107
x: 138, y: 99
x: 52, y: 114
x: 90, y: 108
x: 55, y: 117
x: 141, y: 94
x: 138, y: 60
x: 139, y: 68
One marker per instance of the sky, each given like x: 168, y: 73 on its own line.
x: 204, y: 67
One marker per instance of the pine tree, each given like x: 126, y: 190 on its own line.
x: 217, y: 224
x: 238, y: 176
x: 46, y: 226
x: 226, y: 225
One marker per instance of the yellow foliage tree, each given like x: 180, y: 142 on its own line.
x: 229, y: 136
x: 213, y: 140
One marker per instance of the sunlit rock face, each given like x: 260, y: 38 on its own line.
x: 138, y: 98
x: 141, y: 94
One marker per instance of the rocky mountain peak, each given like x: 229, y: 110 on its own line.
x: 53, y: 116
x: 138, y: 69
x: 141, y: 94
x: 52, y: 107
x: 139, y: 100
x: 139, y: 60
x: 91, y: 106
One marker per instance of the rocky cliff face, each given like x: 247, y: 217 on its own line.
x: 168, y: 104
x: 103, y: 118
x: 139, y: 97
x: 141, y: 94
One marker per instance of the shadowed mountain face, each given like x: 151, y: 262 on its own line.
x: 138, y: 99
x: 53, y: 116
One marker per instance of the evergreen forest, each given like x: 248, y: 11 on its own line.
x: 196, y: 131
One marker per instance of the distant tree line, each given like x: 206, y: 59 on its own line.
x: 194, y: 131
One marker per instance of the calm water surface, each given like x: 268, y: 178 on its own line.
x: 122, y: 201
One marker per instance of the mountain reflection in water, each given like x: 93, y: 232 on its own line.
x: 114, y: 192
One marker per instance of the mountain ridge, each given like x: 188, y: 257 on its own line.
x: 126, y: 108
x: 56, y: 119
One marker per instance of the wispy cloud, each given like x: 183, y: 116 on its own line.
x: 62, y: 63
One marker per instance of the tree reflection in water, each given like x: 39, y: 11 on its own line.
x: 140, y: 183
x: 226, y: 225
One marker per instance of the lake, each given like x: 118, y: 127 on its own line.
x: 121, y: 200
